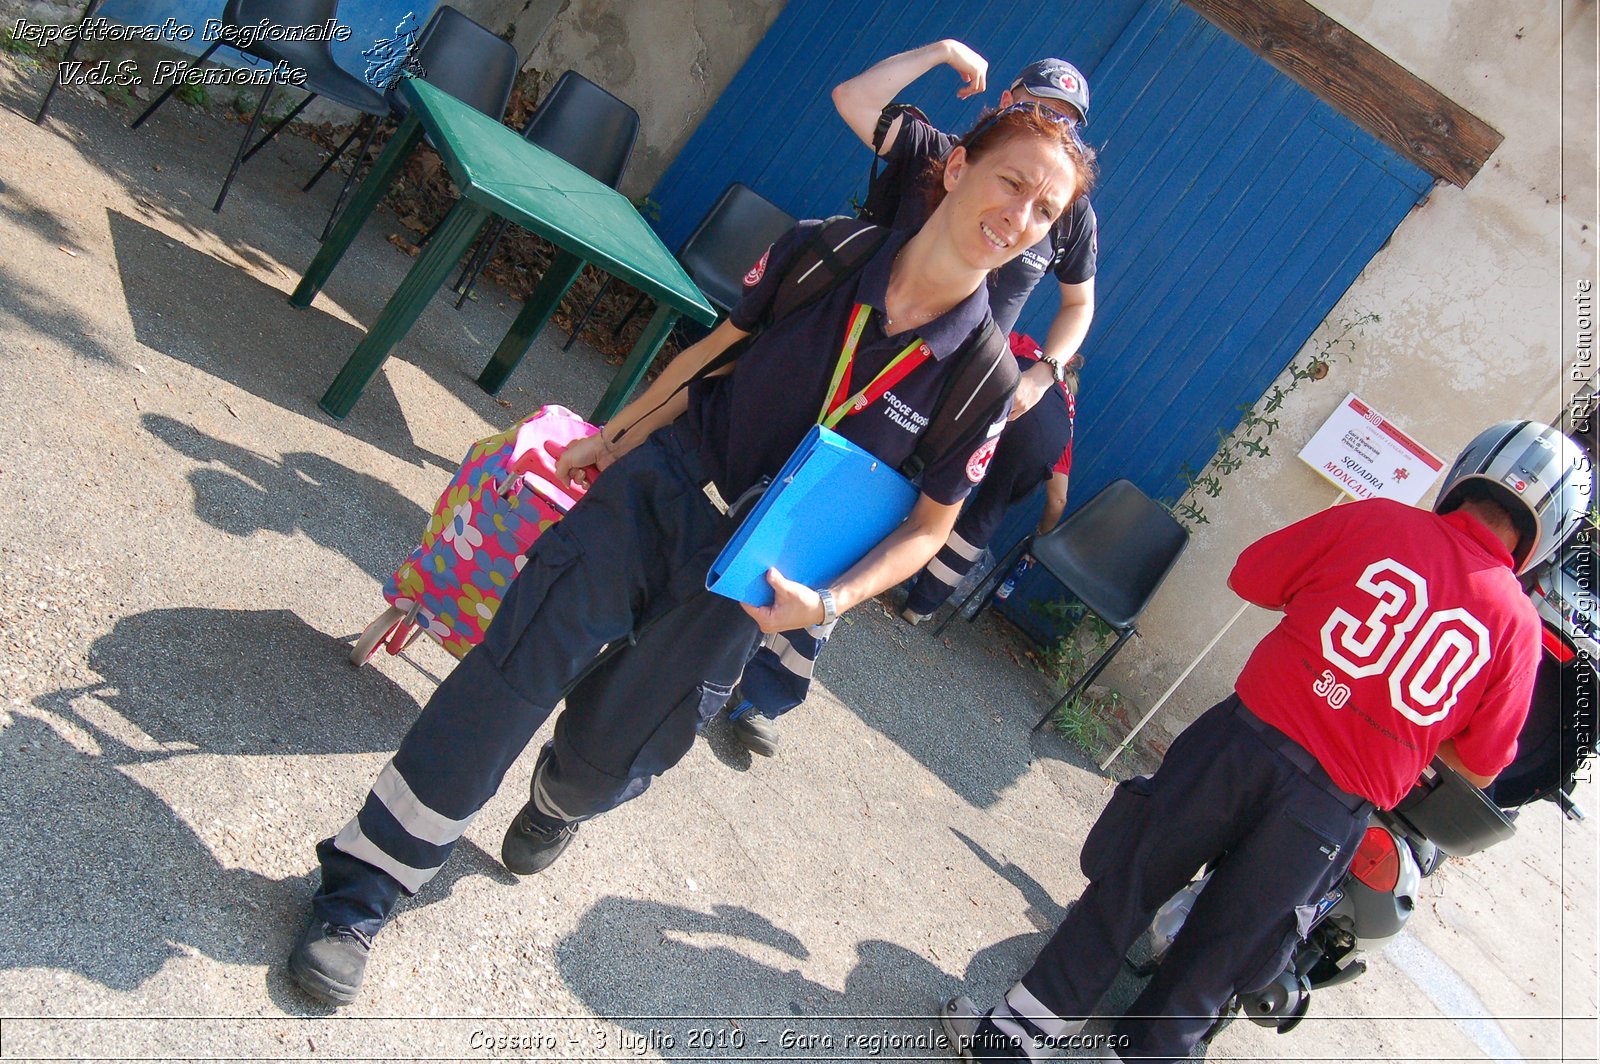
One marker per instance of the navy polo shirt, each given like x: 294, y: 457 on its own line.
x: 751, y: 420
x: 1069, y: 250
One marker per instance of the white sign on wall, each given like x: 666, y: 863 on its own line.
x: 1363, y: 454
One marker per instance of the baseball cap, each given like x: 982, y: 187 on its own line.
x: 1056, y: 79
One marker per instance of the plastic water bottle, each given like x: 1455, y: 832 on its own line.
x: 1010, y: 583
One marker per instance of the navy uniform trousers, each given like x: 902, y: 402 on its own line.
x: 1231, y: 790
x: 627, y: 564
x: 778, y: 678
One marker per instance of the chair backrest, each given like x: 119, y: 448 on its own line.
x: 587, y: 126
x: 457, y: 55
x: 729, y: 239
x: 1114, y: 551
x: 283, y: 13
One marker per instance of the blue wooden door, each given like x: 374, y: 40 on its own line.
x: 1235, y: 209
x: 775, y: 128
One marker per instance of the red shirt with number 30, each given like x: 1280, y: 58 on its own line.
x: 1401, y: 629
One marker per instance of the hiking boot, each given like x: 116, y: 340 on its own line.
x: 912, y: 617
x: 757, y: 732
x: 329, y: 961
x: 973, y: 1035
x: 534, y: 841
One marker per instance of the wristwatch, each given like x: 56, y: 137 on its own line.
x: 830, y: 609
x: 1058, y: 368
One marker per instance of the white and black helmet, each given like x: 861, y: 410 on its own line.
x: 1535, y: 473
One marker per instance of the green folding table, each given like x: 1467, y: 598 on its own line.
x: 500, y: 173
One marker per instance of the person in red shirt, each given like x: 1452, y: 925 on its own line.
x: 1405, y: 635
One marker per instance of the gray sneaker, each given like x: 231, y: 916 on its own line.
x: 912, y: 617
x: 758, y: 732
x: 329, y: 961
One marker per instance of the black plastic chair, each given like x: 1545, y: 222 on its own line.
x: 1112, y: 553
x: 577, y: 121
x: 324, y: 77
x: 453, y: 54
x: 735, y: 232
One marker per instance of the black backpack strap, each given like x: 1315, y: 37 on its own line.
x: 974, y: 394
x: 882, y: 199
x: 832, y: 256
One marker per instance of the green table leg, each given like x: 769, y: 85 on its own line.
x: 366, y: 198
x: 419, y: 286
x: 639, y: 359
x: 542, y: 302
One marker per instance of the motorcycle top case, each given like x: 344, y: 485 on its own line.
x: 1458, y: 817
x: 830, y: 504
x: 482, y: 526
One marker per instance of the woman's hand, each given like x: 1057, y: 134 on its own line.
x: 793, y: 606
x: 585, y: 460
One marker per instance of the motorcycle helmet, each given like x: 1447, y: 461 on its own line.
x: 1536, y: 474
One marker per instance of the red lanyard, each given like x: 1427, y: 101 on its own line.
x: 839, y: 403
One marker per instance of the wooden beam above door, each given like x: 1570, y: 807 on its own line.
x: 1361, y: 82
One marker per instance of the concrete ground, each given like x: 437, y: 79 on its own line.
x: 188, y: 548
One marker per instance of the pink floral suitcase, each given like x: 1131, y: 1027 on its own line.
x: 475, y: 544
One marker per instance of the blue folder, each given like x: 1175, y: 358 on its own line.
x: 830, y: 504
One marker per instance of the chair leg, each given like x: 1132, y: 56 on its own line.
x: 349, y: 182
x: 355, y: 131
x: 72, y: 50
x: 638, y: 301
x: 997, y: 575
x: 159, y: 100
x: 475, y: 269
x: 238, y: 156
x: 273, y: 132
x: 1087, y: 678
x: 584, y: 320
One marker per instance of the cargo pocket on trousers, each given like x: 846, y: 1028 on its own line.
x: 551, y: 556
x: 675, y: 734
x: 1121, y: 821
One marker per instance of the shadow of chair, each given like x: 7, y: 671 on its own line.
x: 734, y: 233
x: 72, y: 50
x: 453, y: 54
x: 324, y: 77
x: 1112, y: 554
x: 581, y: 123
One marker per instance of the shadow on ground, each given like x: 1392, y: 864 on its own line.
x: 349, y: 512
x: 707, y: 979
x: 103, y: 878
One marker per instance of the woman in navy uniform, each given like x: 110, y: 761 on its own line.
x: 629, y: 562
x: 779, y: 676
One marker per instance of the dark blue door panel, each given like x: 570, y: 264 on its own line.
x: 1235, y: 207
x: 775, y: 128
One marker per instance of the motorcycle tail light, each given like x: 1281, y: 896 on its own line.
x: 1556, y: 646
x: 1377, y: 860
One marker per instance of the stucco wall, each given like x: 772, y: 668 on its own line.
x: 669, y: 60
x: 1475, y: 291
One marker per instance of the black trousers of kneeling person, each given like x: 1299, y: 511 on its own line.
x: 1028, y: 450
x: 1233, y: 791
x: 629, y: 560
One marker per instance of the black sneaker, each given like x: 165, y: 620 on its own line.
x: 758, y: 733
x: 329, y: 961
x: 534, y: 841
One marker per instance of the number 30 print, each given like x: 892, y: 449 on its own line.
x: 1427, y: 657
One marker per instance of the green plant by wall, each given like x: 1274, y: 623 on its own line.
x: 194, y: 95
x: 1083, y: 720
x: 1257, y: 424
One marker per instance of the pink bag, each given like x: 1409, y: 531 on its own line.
x: 476, y: 543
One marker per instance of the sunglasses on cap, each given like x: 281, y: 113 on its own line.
x: 1025, y: 105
